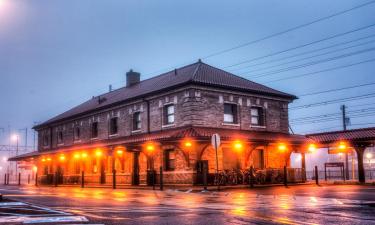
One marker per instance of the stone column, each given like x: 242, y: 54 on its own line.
x: 303, y: 166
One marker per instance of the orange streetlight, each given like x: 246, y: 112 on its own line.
x: 43, y: 159
x: 150, y: 147
x: 98, y: 153
x: 342, y: 145
x: 188, y: 144
x: 49, y: 159
x: 77, y: 155
x: 84, y: 155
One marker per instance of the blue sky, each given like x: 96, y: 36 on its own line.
x: 57, y: 54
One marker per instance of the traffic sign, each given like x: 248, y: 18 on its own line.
x: 215, y: 141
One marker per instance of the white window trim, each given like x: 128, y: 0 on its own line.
x: 264, y: 116
x: 136, y: 131
x: 231, y: 124
x: 168, y: 125
x: 174, y: 114
x: 228, y: 123
x: 257, y: 126
x: 113, y: 135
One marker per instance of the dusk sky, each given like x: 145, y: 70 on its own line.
x: 57, y: 54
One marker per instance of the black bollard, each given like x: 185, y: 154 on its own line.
x: 161, y: 178
x: 83, y: 179
x: 316, y: 175
x: 36, y: 179
x: 205, y: 173
x: 285, y: 176
x: 114, y: 179
x: 56, y: 179
x: 19, y: 179
x: 8, y: 179
x: 28, y: 179
x: 5, y: 179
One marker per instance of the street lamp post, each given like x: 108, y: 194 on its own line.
x: 15, y: 138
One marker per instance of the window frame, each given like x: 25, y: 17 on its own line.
x: 169, y: 164
x: 234, y: 109
x: 96, y: 130
x: 112, y: 126
x: 137, y: 120
x: 60, y: 137
x: 261, y: 116
x: 45, y: 139
x: 166, y: 114
x: 77, y: 133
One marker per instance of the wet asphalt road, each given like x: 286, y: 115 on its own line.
x: 305, y: 204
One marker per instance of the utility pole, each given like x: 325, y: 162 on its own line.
x: 344, y: 121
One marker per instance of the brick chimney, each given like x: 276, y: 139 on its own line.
x: 132, y: 78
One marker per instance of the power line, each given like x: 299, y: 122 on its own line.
x: 288, y: 30
x: 306, y: 52
x: 312, y: 63
x: 337, y: 89
x: 309, y: 57
x: 352, y: 112
x: 320, y: 71
x: 332, y: 119
x: 370, y: 95
x: 301, y: 46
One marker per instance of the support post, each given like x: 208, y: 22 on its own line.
x: 36, y: 179
x: 285, y: 176
x: 360, y: 149
x: 8, y: 179
x: 83, y: 179
x: 303, y: 161
x: 114, y: 179
x: 251, y: 177
x: 28, y: 179
x: 317, y: 175
x: 5, y: 179
x: 55, y: 180
x: 205, y: 172
x: 19, y: 179
x: 161, y: 178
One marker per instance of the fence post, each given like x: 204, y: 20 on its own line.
x: 205, y: 172
x: 28, y: 179
x: 83, y: 179
x: 19, y: 179
x: 8, y: 179
x: 36, y: 179
x: 114, y: 179
x: 316, y: 175
x: 161, y: 178
x: 55, y: 180
x: 285, y: 177
x: 251, y: 177
x: 5, y: 179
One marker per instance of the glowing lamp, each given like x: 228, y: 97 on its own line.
x: 62, y: 157
x: 369, y: 155
x: 150, y: 148
x: 35, y: 168
x: 188, y: 144
x: 237, y: 145
x: 76, y: 156
x: 43, y: 160
x: 312, y: 148
x: 342, y: 146
x: 49, y: 159
x: 119, y: 152
x: 84, y: 155
x: 98, y: 153
x: 282, y: 147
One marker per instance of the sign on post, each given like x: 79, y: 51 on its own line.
x: 215, y: 141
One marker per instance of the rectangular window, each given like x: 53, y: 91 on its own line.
x: 169, y: 157
x: 59, y: 137
x: 77, y: 133
x: 45, y: 139
x: 230, y: 113
x: 137, y: 121
x: 257, y: 117
x: 113, y: 126
x: 94, y: 130
x: 169, y: 114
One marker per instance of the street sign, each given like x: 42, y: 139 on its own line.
x: 215, y: 141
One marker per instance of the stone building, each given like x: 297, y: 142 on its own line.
x: 167, y: 122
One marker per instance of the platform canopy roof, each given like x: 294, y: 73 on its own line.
x: 363, y: 135
x: 195, y: 133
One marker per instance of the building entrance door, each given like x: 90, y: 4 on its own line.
x: 202, y: 172
x: 135, y: 175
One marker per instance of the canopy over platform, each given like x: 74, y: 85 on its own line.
x: 358, y: 139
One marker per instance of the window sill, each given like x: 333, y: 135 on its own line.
x: 112, y: 135
x: 77, y: 141
x: 60, y: 144
x: 231, y: 124
x: 136, y: 131
x: 168, y: 125
x: 94, y: 139
x: 257, y: 126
